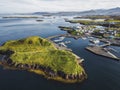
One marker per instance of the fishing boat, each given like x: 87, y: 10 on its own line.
x: 59, y: 39
x: 84, y: 38
x: 95, y: 41
x: 67, y: 42
x: 62, y: 44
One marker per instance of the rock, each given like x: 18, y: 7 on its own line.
x: 9, y: 61
x: 66, y: 77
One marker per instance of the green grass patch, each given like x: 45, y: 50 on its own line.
x: 36, y: 50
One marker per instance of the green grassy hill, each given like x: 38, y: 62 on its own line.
x: 36, y: 50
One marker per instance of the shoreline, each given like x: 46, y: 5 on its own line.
x: 57, y: 78
x: 43, y: 74
x: 46, y: 74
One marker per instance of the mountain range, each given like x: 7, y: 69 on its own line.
x: 112, y: 11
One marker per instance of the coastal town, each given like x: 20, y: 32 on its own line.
x: 96, y: 34
x: 100, y: 39
x: 60, y: 45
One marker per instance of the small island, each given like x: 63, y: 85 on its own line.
x: 40, y: 56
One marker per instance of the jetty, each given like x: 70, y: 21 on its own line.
x: 114, y: 42
x: 63, y: 35
x: 55, y: 36
x: 102, y: 52
x: 105, y: 45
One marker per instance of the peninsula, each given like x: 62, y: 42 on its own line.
x: 39, y: 55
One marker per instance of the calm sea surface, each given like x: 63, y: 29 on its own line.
x: 103, y: 73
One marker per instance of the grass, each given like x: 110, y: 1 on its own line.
x: 113, y: 23
x: 36, y: 50
x: 65, y: 28
x: 118, y: 35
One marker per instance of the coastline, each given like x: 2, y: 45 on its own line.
x: 43, y: 74
x: 47, y: 72
x: 57, y: 78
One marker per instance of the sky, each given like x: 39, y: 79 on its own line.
x: 26, y: 6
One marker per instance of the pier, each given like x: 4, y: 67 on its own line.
x: 111, y: 41
x: 63, y: 35
x: 105, y: 45
x: 102, y: 52
x: 55, y: 36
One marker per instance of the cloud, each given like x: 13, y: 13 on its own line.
x: 7, y: 6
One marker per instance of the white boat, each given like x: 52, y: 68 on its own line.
x: 90, y: 37
x: 94, y: 41
x: 62, y: 44
x: 91, y: 45
x: 67, y: 42
x: 57, y: 40
x: 60, y: 39
x: 84, y: 38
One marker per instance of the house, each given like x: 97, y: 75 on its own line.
x: 112, y: 32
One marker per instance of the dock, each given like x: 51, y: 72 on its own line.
x: 102, y: 52
x: 111, y: 41
x: 55, y: 36
x: 63, y: 35
x: 56, y: 45
x: 105, y: 45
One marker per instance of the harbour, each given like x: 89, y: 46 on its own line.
x: 94, y: 48
x: 103, y: 73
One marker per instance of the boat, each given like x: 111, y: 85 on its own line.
x: 67, y: 42
x: 95, y: 41
x: 39, y: 20
x: 84, y: 38
x: 60, y: 39
x: 62, y: 44
x: 90, y: 37
x: 66, y: 19
x: 91, y: 45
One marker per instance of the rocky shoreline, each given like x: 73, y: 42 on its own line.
x: 48, y: 72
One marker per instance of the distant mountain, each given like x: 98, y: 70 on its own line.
x: 41, y: 13
x: 113, y: 11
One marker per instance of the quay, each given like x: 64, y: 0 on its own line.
x: 111, y: 41
x: 102, y: 52
x: 63, y: 35
x: 105, y: 45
